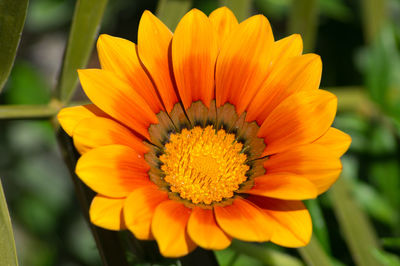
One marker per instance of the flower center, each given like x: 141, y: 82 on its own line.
x: 204, y: 166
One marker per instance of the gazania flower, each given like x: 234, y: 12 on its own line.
x: 211, y: 133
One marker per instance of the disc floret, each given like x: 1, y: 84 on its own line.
x: 203, y: 165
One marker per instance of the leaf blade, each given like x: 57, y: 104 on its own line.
x: 304, y: 20
x: 356, y: 228
x: 320, y: 229
x: 12, y: 20
x: 8, y: 253
x: 267, y: 256
x: 314, y: 254
x: 85, y: 26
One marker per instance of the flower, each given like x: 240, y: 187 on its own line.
x: 211, y: 133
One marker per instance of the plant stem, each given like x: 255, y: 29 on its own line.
x: 13, y: 112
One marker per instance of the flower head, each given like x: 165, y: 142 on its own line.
x: 211, y: 133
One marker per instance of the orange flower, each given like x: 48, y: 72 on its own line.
x: 211, y: 133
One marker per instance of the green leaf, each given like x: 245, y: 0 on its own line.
x: 314, y: 254
x: 382, y: 66
x: 375, y: 204
x: 374, y: 17
x: 171, y: 11
x: 352, y: 99
x: 8, y: 254
x: 273, y: 9
x: 387, y: 258
x: 356, y: 228
x: 207, y: 6
x: 319, y: 225
x: 241, y: 8
x: 391, y: 242
x: 12, y: 19
x: 380, y: 57
x: 278, y: 9
x: 304, y: 20
x: 336, y: 9
x: 267, y: 256
x: 84, y: 29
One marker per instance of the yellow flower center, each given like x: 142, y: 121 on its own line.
x: 204, y: 166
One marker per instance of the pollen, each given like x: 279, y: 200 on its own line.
x: 203, y: 165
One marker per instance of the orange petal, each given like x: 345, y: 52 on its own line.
x: 153, y: 44
x: 98, y: 131
x: 69, y: 117
x: 113, y: 171
x: 169, y: 229
x: 205, y: 232
x: 107, y: 212
x: 283, y: 186
x: 240, y: 68
x: 335, y: 140
x: 224, y: 21
x: 139, y: 210
x: 288, y: 47
x: 194, y: 51
x: 244, y: 221
x: 120, y: 57
x: 117, y: 99
x: 300, y: 119
x: 312, y: 161
x: 291, y: 221
x: 300, y: 73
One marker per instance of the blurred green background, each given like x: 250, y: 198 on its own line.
x: 359, y: 42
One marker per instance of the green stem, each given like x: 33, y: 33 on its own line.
x: 12, y: 112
